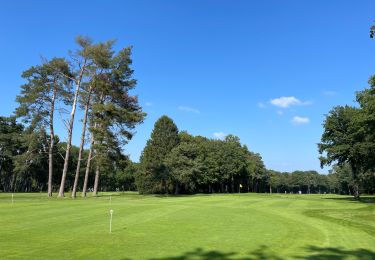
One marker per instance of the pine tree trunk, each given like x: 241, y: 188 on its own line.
x: 87, y: 105
x: 70, y: 133
x: 51, y: 145
x: 96, y: 183
x: 84, y: 190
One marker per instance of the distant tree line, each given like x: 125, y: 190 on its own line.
x: 172, y: 162
x: 176, y: 162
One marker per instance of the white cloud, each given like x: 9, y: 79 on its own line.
x: 219, y: 135
x: 299, y: 120
x: 189, y: 109
x: 285, y: 102
x: 148, y: 104
x: 280, y: 112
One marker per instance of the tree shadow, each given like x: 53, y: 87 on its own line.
x: 328, y: 253
x: 362, y: 199
x: 260, y: 254
x: 264, y: 253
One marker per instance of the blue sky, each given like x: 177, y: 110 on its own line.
x: 266, y: 71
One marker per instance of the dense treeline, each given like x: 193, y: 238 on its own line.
x: 22, y: 172
x: 172, y: 162
x: 176, y: 162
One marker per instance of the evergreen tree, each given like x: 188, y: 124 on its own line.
x: 153, y: 176
x: 81, y: 60
x: 115, y: 112
x: 45, y: 86
x: 101, y: 55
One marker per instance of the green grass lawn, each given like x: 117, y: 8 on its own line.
x: 238, y: 226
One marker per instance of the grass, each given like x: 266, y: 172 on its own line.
x: 237, y: 226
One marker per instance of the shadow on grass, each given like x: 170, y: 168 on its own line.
x: 327, y: 253
x: 264, y: 253
x: 363, y: 199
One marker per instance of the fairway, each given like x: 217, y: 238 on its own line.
x: 242, y: 226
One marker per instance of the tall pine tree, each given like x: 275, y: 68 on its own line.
x: 45, y: 86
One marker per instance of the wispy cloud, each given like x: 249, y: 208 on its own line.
x: 148, y: 104
x: 219, y: 135
x: 280, y: 112
x: 261, y: 105
x: 189, y: 109
x: 285, y: 102
x: 299, y: 120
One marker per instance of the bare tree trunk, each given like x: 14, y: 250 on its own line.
x: 52, y: 143
x: 13, y: 184
x: 70, y: 132
x: 84, y: 190
x: 356, y: 191
x: 87, y: 105
x: 232, y: 184
x: 96, y: 183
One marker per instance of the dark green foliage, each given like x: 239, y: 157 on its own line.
x: 45, y: 85
x: 184, y: 165
x: 349, y: 138
x: 198, y: 164
x: 115, y: 112
x: 153, y: 176
x: 10, y: 146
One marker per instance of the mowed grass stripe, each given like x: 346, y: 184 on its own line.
x: 247, y: 226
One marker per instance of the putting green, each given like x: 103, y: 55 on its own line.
x: 231, y: 226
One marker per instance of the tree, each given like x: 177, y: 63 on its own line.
x: 255, y: 169
x: 30, y: 164
x: 10, y: 146
x: 274, y: 180
x: 101, y: 55
x: 183, y: 165
x: 45, y: 86
x: 341, y: 141
x: 115, y: 112
x: 80, y: 62
x: 153, y: 176
x: 233, y: 160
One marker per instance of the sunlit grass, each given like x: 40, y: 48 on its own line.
x: 231, y: 226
